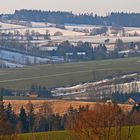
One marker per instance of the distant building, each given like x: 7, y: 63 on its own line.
x: 48, y: 48
x: 33, y: 95
x: 131, y: 101
x: 81, y: 53
x: 109, y: 101
x: 69, y: 54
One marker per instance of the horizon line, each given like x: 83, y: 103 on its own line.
x: 75, y: 13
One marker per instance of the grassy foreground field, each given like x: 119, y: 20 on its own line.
x: 63, y: 135
x: 56, y: 75
x: 56, y: 135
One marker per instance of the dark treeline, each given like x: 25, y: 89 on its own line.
x: 28, y: 120
x: 104, y: 115
x: 40, y: 91
x: 43, y: 92
x: 35, y: 89
x: 113, y: 19
x: 124, y: 97
x: 85, y: 51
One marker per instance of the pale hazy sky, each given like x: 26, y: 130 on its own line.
x: 77, y: 6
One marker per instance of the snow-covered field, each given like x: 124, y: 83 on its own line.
x: 24, y: 59
x: 41, y: 24
x: 84, y: 88
x: 132, y: 30
x: 81, y: 27
x: 69, y: 34
x: 42, y: 30
x: 6, y: 26
x: 95, y: 39
x: 11, y: 65
x: 38, y: 27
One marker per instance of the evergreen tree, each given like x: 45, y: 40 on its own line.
x: 1, y: 100
x: 63, y: 121
x: 23, y: 120
x: 30, y: 116
x: 54, y: 122
x: 5, y: 125
x: 40, y: 124
x: 11, y: 115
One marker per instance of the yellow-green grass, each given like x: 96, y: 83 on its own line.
x: 63, y: 135
x: 55, y: 135
x: 56, y: 75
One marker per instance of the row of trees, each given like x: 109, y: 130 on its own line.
x: 82, y: 51
x: 66, y: 49
x: 34, y: 89
x: 99, y: 51
x: 113, y: 19
x: 44, y: 92
x: 26, y: 36
x: 104, y: 121
x: 86, y: 51
x: 124, y: 97
x: 29, y: 121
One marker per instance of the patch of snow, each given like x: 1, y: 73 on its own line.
x: 82, y: 88
x: 6, y: 26
x: 23, y: 58
x: 12, y: 65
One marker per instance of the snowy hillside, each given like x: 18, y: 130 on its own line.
x: 6, y: 26
x: 10, y: 64
x: 37, y: 27
x: 24, y: 59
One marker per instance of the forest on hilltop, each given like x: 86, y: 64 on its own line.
x: 112, y: 19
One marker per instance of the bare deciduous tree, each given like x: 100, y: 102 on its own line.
x: 103, y: 122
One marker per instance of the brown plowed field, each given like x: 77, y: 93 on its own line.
x: 58, y: 106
